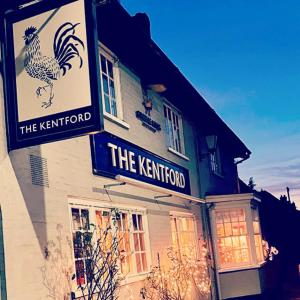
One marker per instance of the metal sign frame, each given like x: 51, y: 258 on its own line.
x: 16, y: 138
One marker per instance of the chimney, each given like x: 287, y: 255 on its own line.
x: 142, y: 20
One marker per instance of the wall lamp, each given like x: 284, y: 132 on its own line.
x: 211, y: 143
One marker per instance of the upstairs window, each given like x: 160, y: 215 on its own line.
x: 108, y: 85
x: 215, y: 162
x: 173, y: 124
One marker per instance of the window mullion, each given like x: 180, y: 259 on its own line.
x: 132, y: 250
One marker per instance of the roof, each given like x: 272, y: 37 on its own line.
x: 135, y: 48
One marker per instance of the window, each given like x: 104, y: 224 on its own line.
x: 215, y: 162
x: 257, y: 235
x: 232, y: 237
x: 184, y: 236
x: 173, y: 124
x: 132, y: 241
x: 108, y: 85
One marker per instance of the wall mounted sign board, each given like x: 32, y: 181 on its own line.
x: 52, y: 84
x: 112, y: 156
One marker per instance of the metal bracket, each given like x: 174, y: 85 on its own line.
x: 107, y: 186
x: 162, y: 196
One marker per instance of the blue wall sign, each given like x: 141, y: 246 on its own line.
x: 51, y: 77
x: 113, y: 156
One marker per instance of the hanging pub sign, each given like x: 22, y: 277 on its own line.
x: 112, y: 156
x: 51, y: 76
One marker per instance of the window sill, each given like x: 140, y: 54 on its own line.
x: 217, y: 174
x: 178, y: 153
x: 134, y: 278
x: 241, y: 268
x: 116, y: 120
x: 128, y: 280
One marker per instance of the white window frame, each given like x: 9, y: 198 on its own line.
x: 171, y: 140
x: 109, y: 55
x: 215, y: 162
x: 92, y: 206
x: 191, y: 216
x: 253, y: 261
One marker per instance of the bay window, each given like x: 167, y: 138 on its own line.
x: 236, y: 231
x: 232, y: 237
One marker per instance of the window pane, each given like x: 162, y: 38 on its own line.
x: 113, y: 107
x: 144, y: 262
x: 140, y: 222
x: 226, y: 216
x: 142, y: 242
x: 107, y: 104
x: 138, y: 263
x: 77, y: 245
x: 110, y: 69
x: 136, y: 242
x: 236, y: 242
x: 228, y: 230
x: 235, y: 228
x: 241, y: 215
x: 103, y: 64
x: 134, y: 221
x: 89, y: 270
x: 75, y: 219
x: 243, y: 242
x: 112, y: 89
x: 85, y: 219
x: 79, y: 266
x: 243, y: 227
x: 256, y: 227
x: 245, y: 255
x: 220, y: 230
x: 234, y: 216
x: 105, y: 84
x: 219, y: 218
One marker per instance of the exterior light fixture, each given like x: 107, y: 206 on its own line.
x: 158, y: 87
x: 211, y: 143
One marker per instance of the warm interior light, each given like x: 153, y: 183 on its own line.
x: 158, y: 87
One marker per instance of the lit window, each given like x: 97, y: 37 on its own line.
x: 184, y: 236
x: 139, y: 243
x: 173, y: 124
x: 257, y: 235
x: 131, y: 239
x: 108, y: 85
x: 232, y: 237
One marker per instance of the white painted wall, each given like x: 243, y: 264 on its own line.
x: 31, y: 213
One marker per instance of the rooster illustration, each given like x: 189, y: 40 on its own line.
x: 66, y: 46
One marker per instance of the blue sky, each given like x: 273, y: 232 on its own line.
x: 244, y: 58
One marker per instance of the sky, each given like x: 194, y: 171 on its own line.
x: 244, y: 58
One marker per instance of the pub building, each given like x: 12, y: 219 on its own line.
x: 165, y: 160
